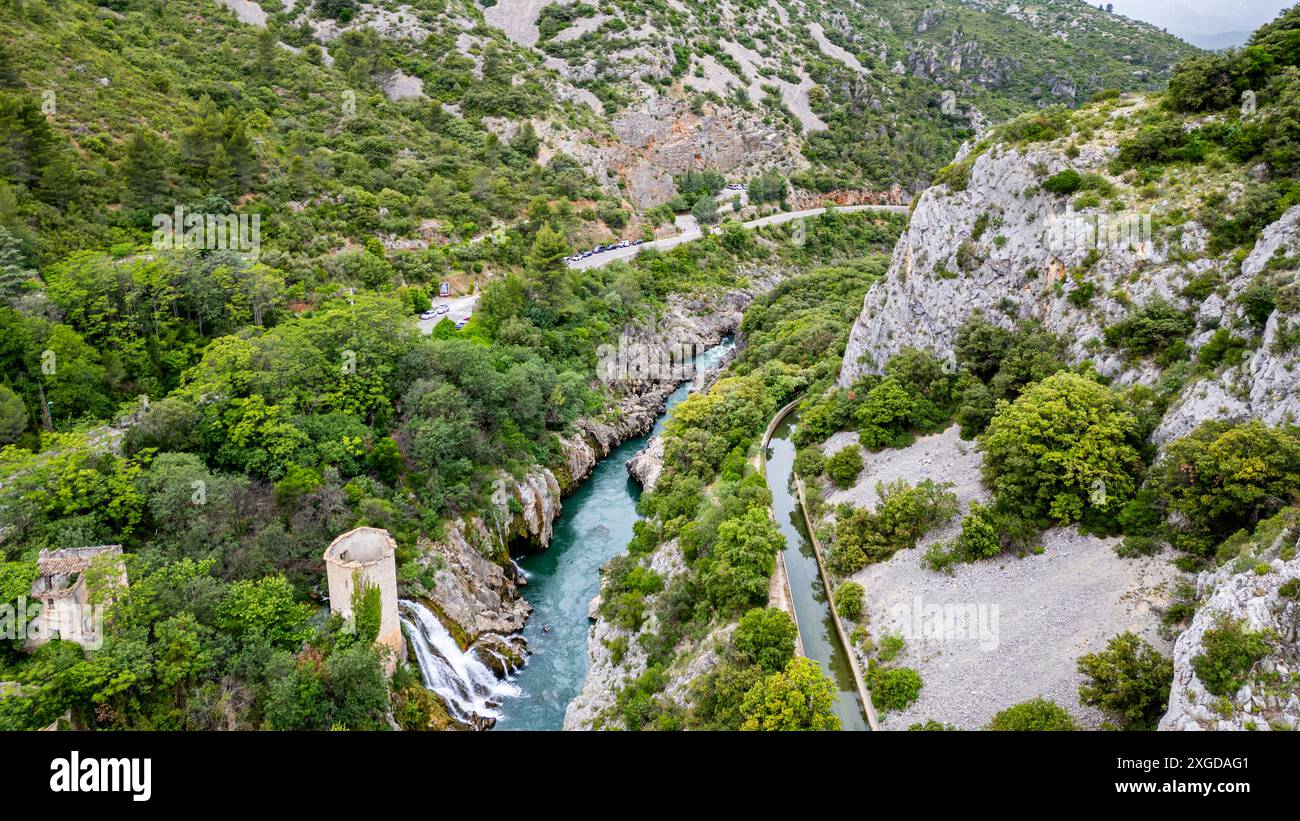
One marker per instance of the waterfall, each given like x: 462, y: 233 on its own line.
x: 468, y: 686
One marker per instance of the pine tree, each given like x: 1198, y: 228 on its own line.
x: 145, y: 169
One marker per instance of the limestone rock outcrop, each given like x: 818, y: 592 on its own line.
x: 1004, y: 246
x: 478, y: 595
x: 1270, y: 697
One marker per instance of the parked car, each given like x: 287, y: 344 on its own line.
x: 461, y: 324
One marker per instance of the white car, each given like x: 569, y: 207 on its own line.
x: 441, y: 309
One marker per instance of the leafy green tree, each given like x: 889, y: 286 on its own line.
x: 979, y: 535
x: 1130, y: 678
x: 1065, y: 447
x: 798, y: 698
x: 848, y: 600
x: 894, y: 688
x: 844, y: 466
x: 705, y: 209
x: 266, y: 608
x: 744, y: 559
x: 13, y: 416
x: 1037, y: 714
x: 14, y: 275
x: 357, y: 688
x: 765, y: 636
x: 1224, y: 477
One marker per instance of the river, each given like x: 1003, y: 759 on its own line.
x: 594, y: 527
x: 816, y: 627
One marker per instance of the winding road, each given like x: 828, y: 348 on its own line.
x: 462, y: 307
x: 691, y: 231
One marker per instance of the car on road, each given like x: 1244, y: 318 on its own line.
x: 441, y: 309
x: 461, y: 324
x: 428, y: 315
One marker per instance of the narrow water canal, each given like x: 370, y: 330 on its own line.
x: 816, y: 627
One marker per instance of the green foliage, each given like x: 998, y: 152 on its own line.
x: 894, y: 688
x: 1130, y: 679
x: 797, y: 698
x: 1156, y: 329
x: 844, y: 466
x: 744, y: 556
x: 264, y: 608
x: 367, y: 610
x: 1064, y: 450
x: 848, y: 600
x: 979, y: 534
x: 1230, y: 651
x: 1223, y: 477
x: 1063, y: 182
x: 1037, y: 714
x: 903, y: 515
x: 765, y: 637
x: 809, y: 462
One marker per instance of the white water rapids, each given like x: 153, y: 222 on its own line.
x: 468, y: 686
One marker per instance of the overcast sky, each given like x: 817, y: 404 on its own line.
x: 1202, y: 16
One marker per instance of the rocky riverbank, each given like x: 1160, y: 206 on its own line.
x: 480, y: 600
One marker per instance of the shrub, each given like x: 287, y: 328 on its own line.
x: 844, y: 466
x: 1223, y: 477
x: 1063, y: 448
x: 799, y: 698
x: 1222, y: 347
x: 765, y: 636
x: 930, y: 725
x: 890, y: 647
x: 1036, y: 714
x: 809, y: 462
x: 979, y: 535
x: 1151, y: 330
x: 894, y: 688
x: 905, y: 514
x: 848, y: 600
x: 1063, y: 182
x: 1129, y: 678
x: 1230, y: 652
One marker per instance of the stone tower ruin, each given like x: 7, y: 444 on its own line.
x: 367, y: 556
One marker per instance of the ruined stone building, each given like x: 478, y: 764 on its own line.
x: 75, y: 587
x: 367, y: 556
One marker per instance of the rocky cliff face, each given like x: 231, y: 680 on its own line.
x: 998, y: 243
x: 1269, y: 698
x: 476, y: 595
